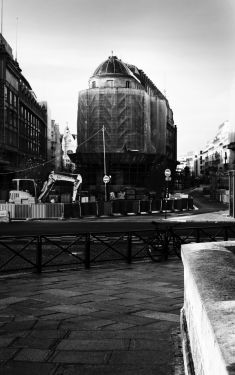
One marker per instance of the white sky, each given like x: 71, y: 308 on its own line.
x: 186, y: 47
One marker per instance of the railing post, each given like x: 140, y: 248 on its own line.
x: 129, y: 248
x: 225, y: 234
x: 166, y: 244
x: 198, y: 235
x: 39, y: 254
x: 87, y: 251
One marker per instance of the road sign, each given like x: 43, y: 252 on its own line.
x: 106, y: 179
x: 167, y: 172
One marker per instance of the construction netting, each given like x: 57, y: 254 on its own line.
x: 133, y: 121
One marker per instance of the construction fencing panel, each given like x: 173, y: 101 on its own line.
x: 104, y: 208
x: 54, y: 210
x: 38, y: 211
x: 156, y: 205
x: 177, y: 204
x: 144, y: 206
x: 72, y: 210
x: 95, y: 209
x: 89, y: 209
x: 22, y: 211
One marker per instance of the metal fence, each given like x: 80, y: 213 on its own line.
x: 97, y: 209
x: 41, y: 252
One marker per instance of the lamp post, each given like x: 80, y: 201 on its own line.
x: 106, y: 178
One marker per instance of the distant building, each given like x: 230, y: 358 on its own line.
x: 23, y: 120
x: 140, y: 134
x: 219, y: 153
x: 69, y: 146
x: 44, y: 103
x: 56, y: 148
x: 186, y: 160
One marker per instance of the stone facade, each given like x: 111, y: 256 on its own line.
x: 23, y: 120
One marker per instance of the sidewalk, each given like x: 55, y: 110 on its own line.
x: 114, y: 319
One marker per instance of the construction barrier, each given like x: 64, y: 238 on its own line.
x: 144, y: 207
x: 104, y: 208
x: 54, y: 210
x: 177, y: 204
x: 22, y: 211
x: 190, y: 203
x: 184, y: 203
x: 78, y: 210
x: 131, y: 207
x: 118, y: 207
x: 89, y: 209
x: 167, y: 205
x: 72, y: 210
x: 38, y: 211
x: 156, y: 205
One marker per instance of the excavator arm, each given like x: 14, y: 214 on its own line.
x: 53, y: 177
x: 76, y: 185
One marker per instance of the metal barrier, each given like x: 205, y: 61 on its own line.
x: 41, y: 252
x: 78, y: 210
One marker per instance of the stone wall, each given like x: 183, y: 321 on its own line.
x: 208, y: 315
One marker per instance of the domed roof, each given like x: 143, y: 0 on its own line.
x: 113, y: 66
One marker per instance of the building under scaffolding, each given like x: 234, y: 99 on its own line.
x: 140, y: 135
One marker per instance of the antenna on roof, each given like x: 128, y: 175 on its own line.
x: 16, y: 36
x: 2, y: 17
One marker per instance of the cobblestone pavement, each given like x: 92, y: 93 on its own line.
x: 113, y: 319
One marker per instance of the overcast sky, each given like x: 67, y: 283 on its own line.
x: 186, y: 47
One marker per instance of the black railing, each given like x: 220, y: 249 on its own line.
x: 20, y: 253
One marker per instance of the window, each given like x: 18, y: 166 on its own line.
x: 93, y: 84
x: 109, y: 83
x: 127, y: 84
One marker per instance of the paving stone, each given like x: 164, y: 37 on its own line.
x: 110, y: 370
x: 6, y: 318
x: 94, y: 319
x: 10, y: 300
x: 159, y: 315
x: 32, y: 355
x: 5, y: 341
x: 46, y: 325
x: 93, y: 345
x: 63, y: 293
x: 7, y: 353
x: 140, y: 357
x: 71, y: 309
x: 19, y: 326
x: 33, y: 343
x: 50, y: 333
x: 88, y: 357
x: 119, y: 326
x: 157, y: 343
x: 27, y: 368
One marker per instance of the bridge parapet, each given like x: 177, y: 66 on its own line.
x: 208, y: 315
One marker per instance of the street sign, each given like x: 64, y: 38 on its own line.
x: 106, y: 179
x: 167, y: 172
